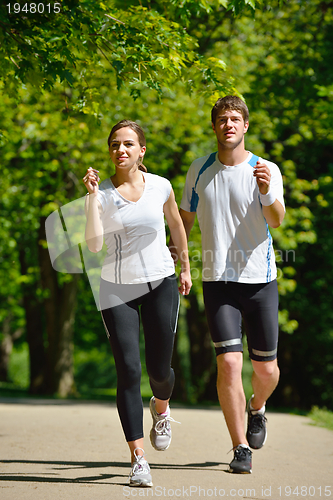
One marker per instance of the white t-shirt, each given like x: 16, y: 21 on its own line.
x: 134, y: 233
x: 236, y: 242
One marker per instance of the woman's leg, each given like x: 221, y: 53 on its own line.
x: 159, y: 312
x: 122, y: 326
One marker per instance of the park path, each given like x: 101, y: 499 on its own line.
x: 65, y: 450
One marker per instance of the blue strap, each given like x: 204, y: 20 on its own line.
x: 195, y: 196
x: 253, y: 160
x: 208, y: 163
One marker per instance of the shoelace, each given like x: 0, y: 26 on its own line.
x: 257, y: 422
x: 138, y: 467
x: 161, y: 425
x: 241, y: 452
x: 138, y: 459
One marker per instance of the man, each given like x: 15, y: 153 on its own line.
x: 237, y: 196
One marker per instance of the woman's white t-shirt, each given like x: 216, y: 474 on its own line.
x: 134, y: 233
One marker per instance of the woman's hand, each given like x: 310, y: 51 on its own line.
x: 91, y: 180
x: 185, y: 282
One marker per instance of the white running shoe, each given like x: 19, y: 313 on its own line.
x: 160, y: 433
x: 140, y: 473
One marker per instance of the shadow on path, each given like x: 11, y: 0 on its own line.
x: 48, y: 477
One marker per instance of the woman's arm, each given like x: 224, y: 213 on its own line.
x: 178, y: 236
x: 93, y: 209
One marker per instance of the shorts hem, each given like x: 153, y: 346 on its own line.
x: 224, y: 350
x: 254, y: 357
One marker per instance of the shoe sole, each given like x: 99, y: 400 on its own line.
x: 240, y: 471
x: 141, y: 484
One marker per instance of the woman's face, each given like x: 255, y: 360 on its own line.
x: 125, y: 149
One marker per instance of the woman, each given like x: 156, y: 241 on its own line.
x: 138, y: 279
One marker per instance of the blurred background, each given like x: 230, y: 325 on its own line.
x: 66, y: 78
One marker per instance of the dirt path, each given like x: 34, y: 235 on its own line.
x: 68, y: 450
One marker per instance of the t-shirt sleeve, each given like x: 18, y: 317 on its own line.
x: 167, y: 190
x: 104, y: 193
x: 188, y: 193
x: 101, y: 199
x: 277, y: 182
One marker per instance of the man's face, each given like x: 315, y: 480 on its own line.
x: 230, y: 128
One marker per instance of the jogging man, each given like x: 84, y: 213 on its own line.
x: 236, y: 196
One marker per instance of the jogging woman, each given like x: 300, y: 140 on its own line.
x: 138, y: 280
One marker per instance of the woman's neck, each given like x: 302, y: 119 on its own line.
x: 132, y: 177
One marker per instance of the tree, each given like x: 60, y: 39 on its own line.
x: 83, y: 54
x: 140, y: 44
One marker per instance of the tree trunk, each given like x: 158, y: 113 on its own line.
x: 203, y: 363
x: 33, y: 307
x: 6, y: 347
x: 59, y: 308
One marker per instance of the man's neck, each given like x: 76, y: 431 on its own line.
x: 232, y: 157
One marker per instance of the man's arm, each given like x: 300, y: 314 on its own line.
x: 188, y: 219
x: 274, y: 214
x: 272, y: 208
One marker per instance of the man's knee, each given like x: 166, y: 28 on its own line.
x: 266, y: 369
x: 229, y: 365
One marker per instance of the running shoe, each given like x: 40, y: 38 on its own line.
x: 160, y: 433
x: 256, y: 433
x: 140, y: 473
x: 242, y: 462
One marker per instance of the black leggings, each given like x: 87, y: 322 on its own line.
x: 159, y: 313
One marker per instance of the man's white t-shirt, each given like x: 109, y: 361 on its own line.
x: 134, y: 233
x: 236, y: 242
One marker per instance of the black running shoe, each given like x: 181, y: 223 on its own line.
x: 242, y: 462
x: 256, y: 429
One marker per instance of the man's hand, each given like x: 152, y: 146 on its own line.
x: 263, y: 176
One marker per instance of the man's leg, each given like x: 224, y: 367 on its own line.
x: 231, y: 394
x: 265, y: 378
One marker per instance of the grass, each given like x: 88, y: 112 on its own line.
x: 322, y: 417
x: 96, y: 368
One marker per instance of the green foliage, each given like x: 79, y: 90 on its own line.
x: 83, y: 64
x: 19, y: 367
x: 282, y: 72
x: 137, y: 44
x: 322, y: 417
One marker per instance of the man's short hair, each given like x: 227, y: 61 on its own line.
x: 230, y: 102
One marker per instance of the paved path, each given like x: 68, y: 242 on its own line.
x: 55, y: 450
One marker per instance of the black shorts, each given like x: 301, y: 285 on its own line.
x: 226, y: 303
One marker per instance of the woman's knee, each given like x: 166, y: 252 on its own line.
x: 162, y: 383
x: 129, y: 376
